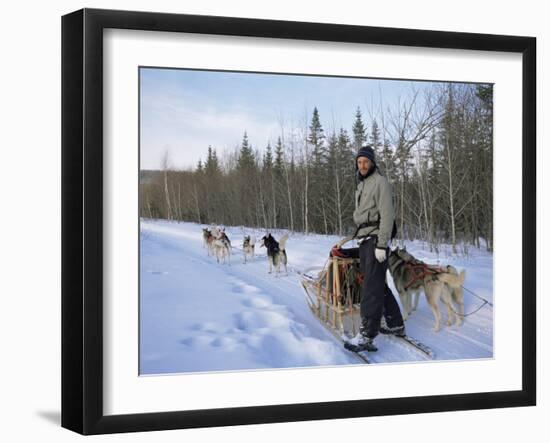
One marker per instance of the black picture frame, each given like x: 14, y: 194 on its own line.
x: 82, y: 218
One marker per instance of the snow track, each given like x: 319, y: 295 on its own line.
x: 198, y: 315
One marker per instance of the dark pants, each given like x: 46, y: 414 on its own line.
x: 376, y: 297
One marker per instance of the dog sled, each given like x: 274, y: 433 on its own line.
x: 333, y: 293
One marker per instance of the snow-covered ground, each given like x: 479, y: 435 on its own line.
x: 197, y: 315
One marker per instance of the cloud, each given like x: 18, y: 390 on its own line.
x: 187, y: 127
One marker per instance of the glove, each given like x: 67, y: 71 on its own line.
x: 380, y: 254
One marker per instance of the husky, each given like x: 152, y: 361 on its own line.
x: 457, y: 293
x: 221, y: 250
x: 206, y: 234
x: 412, y: 276
x: 276, y: 252
x: 216, y: 231
x: 225, y: 238
x: 220, y: 244
x: 248, y: 246
x: 208, y: 240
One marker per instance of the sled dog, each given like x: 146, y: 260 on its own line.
x: 276, y: 252
x: 221, y: 250
x: 412, y: 276
x: 225, y: 238
x: 248, y: 246
x: 206, y: 236
x: 208, y: 240
x: 221, y: 245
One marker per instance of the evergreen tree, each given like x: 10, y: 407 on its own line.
x: 279, y: 159
x: 212, y: 166
x: 317, y: 187
x: 268, y: 159
x: 269, y: 188
x: 316, y: 139
x: 375, y: 139
x: 385, y: 161
x: 485, y: 94
x: 346, y: 156
x: 212, y: 185
x: 246, y: 160
x: 280, y: 193
x: 359, y: 131
x: 485, y: 142
x: 215, y: 162
x: 208, y: 158
x: 248, y: 184
x: 346, y: 163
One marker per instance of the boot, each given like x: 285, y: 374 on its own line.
x: 398, y: 331
x: 362, y: 344
x: 366, y: 344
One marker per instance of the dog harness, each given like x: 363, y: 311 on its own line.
x: 421, y: 270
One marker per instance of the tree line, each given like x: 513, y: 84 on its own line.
x: 435, y: 147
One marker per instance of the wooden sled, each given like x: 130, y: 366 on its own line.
x: 334, y: 297
x: 334, y: 294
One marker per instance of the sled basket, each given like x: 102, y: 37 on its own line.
x: 334, y: 294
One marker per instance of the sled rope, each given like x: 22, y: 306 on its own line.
x: 485, y: 302
x: 481, y: 298
x: 304, y: 272
x: 471, y: 313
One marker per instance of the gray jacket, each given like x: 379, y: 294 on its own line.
x: 373, y: 202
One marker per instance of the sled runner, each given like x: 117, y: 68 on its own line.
x: 334, y: 295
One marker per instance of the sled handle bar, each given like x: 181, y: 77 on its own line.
x: 344, y: 241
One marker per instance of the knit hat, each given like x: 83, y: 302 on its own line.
x: 366, y: 151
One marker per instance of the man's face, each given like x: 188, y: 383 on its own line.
x: 363, y: 165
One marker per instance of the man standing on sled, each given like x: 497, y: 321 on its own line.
x: 374, y: 216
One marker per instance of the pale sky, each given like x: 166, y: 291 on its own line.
x: 184, y: 111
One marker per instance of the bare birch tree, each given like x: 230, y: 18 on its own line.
x: 165, y: 168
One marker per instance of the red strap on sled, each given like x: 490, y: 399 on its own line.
x: 337, y: 252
